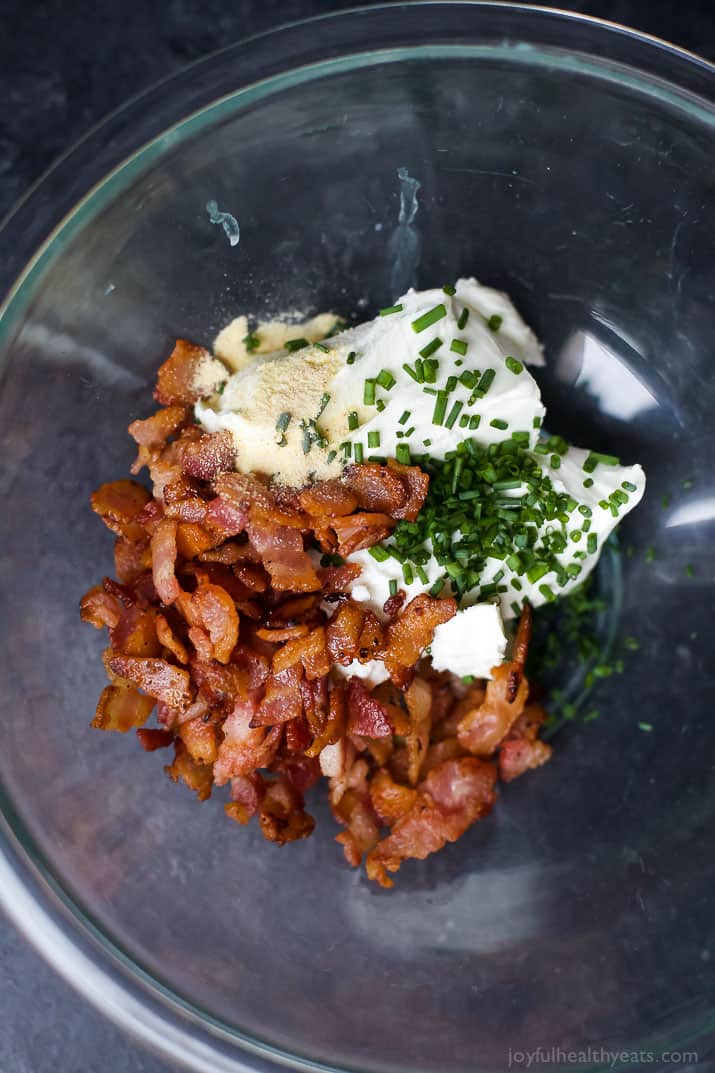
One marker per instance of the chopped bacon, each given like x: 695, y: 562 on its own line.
x: 198, y: 777
x: 244, y: 748
x: 100, y: 608
x: 118, y: 504
x: 177, y: 377
x: 135, y: 633
x: 131, y: 559
x: 519, y: 755
x: 314, y: 694
x: 213, y: 621
x: 156, y: 677
x: 419, y: 704
x: 121, y: 708
x: 285, y: 558
x: 452, y: 797
x: 362, y: 530
x: 334, y: 728
x: 226, y: 553
x: 338, y: 578
x: 393, y: 603
x: 163, y: 557
x: 351, y: 805
x: 247, y: 792
x: 155, y: 431
x: 376, y: 488
x: 214, y: 453
x: 343, y: 633
x: 410, y: 633
x: 193, y: 539
x: 243, y: 491
x: 311, y: 651
x: 199, y: 737
x: 282, y: 816
x: 225, y: 518
x: 253, y: 576
x: 371, y: 642
x: 282, y: 700
x: 482, y: 729
x: 391, y: 800
x: 330, y: 499
x: 284, y: 633
x: 416, y: 482
x: 366, y: 715
x: 169, y: 640
x: 151, y: 739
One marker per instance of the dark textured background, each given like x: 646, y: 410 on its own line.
x: 63, y: 67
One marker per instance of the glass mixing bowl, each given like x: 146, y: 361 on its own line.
x: 566, y: 161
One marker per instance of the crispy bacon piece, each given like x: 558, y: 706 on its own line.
x: 518, y: 755
x: 310, y: 651
x: 199, y: 737
x: 391, y: 800
x: 243, y: 491
x: 198, y: 777
x: 163, y: 558
x: 214, y: 453
x: 118, y: 504
x: 169, y: 640
x: 371, y: 642
x: 338, y: 579
x: 416, y: 483
x: 410, y: 633
x: 159, y: 679
x: 334, y: 729
x: 121, y: 708
x: 151, y: 739
x: 225, y: 518
x: 217, y: 684
x: 253, y: 576
x: 375, y: 488
x: 343, y: 633
x: 351, y: 805
x: 100, y: 608
x: 282, y: 816
x: 153, y: 432
x: 131, y: 559
x: 419, y: 705
x: 192, y: 539
x: 285, y: 558
x: 358, y: 531
x: 213, y: 621
x: 244, y: 748
x: 135, y: 633
x: 177, y: 377
x: 451, y: 798
x: 366, y: 715
x: 282, y: 700
x: 314, y: 694
x: 393, y: 603
x: 247, y: 793
x: 328, y: 499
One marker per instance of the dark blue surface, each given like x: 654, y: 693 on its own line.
x: 63, y: 68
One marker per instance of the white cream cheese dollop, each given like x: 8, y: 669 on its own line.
x: 454, y: 341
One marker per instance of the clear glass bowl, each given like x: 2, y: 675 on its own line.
x: 564, y: 160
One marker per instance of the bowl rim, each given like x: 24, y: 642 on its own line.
x: 34, y: 897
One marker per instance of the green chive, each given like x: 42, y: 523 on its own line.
x: 407, y: 574
x: 595, y: 457
x: 555, y: 461
x: 347, y: 449
x: 373, y: 439
x: 350, y: 360
x: 393, y: 586
x: 410, y: 372
x: 454, y: 414
x: 406, y: 414
x: 495, y: 322
x: 324, y: 400
x: 449, y: 289
x: 437, y: 587
x: 251, y: 342
x: 464, y: 421
x: 588, y: 483
x: 429, y: 318
x: 474, y: 421
x: 451, y: 384
x: 321, y: 346
x: 537, y: 571
x: 468, y: 379
x: 386, y: 379
x: 380, y: 405
x: 296, y: 344
x: 353, y: 421
x: 629, y: 486
x: 513, y: 365
x: 427, y: 443
x: 591, y: 543
x: 430, y: 371
x: 463, y: 318
x: 440, y: 408
x: 332, y: 455
x: 650, y: 553
x: 368, y: 393
x: 690, y: 570
x: 485, y: 381
x: 497, y: 422
x: 283, y: 421
x: 458, y: 346
x: 547, y: 592
x: 515, y: 608
x: 391, y: 309
x: 536, y: 423
x: 402, y: 454
x: 429, y: 350
x: 358, y: 453
x: 645, y: 727
x: 379, y: 554
x: 420, y: 370
x: 688, y: 484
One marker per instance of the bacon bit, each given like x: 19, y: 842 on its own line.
x: 282, y: 700
x: 198, y: 777
x: 453, y: 796
x: 315, y: 703
x: 410, y: 633
x: 519, y: 755
x: 227, y: 554
x: 371, y: 642
x: 419, y: 704
x: 244, y: 748
x: 282, y: 816
x: 311, y: 651
x: 177, y: 376
x: 247, y: 792
x: 192, y: 540
x: 243, y: 491
x: 131, y: 559
x: 393, y: 603
x: 334, y: 759
x: 225, y: 518
x: 199, y: 737
x: 328, y: 499
x: 343, y: 633
x: 359, y: 531
x: 391, y: 800
x: 416, y: 482
x: 301, y: 771
x: 156, y: 677
x: 438, y: 752
x: 286, y: 633
x: 529, y: 722
x: 366, y: 715
x: 212, y: 617
x: 154, y: 432
x: 340, y: 579
x: 253, y: 576
x: 482, y: 729
x: 376, y: 488
x: 351, y: 805
x: 335, y: 726
x: 169, y: 640
x: 118, y: 504
x: 253, y: 665
x: 100, y: 608
x: 163, y: 555
x: 121, y: 708
x: 135, y: 634
x: 214, y: 453
x: 285, y: 558
x: 294, y: 610
x: 151, y: 740
x: 297, y: 736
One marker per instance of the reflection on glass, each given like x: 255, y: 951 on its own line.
x: 697, y: 510
x: 586, y: 362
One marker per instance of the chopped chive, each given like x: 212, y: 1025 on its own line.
x: 451, y: 384
x: 485, y: 381
x: 368, y: 393
x: 690, y: 570
x: 430, y: 390
x: 283, y: 421
x: 449, y: 289
x: 430, y: 370
x: 628, y: 485
x: 537, y: 571
x: 645, y: 727
x: 332, y: 455
x: 595, y: 457
x: 405, y: 417
x: 373, y: 439
x: 555, y: 461
x: 386, y: 379
x: 410, y: 371
x: 688, y: 484
x: 296, y: 344
x: 458, y: 346
x: 513, y: 365
x: 541, y: 449
x: 474, y: 421
x: 454, y: 414
x: 464, y: 421
x: 420, y: 370
x: 547, y: 592
x: 515, y: 608
x: 536, y: 423
x: 321, y: 346
x: 251, y: 342
x: 437, y: 587
x: 353, y: 421
x: 591, y: 543
x: 576, y: 535
x: 440, y: 408
x: 650, y: 553
x: 468, y: 379
x: 350, y: 360
x: 407, y: 573
x: 393, y: 586
x: 429, y: 350
x: 379, y: 554
x: 665, y: 501
x: 495, y: 322
x: 586, y: 511
x: 380, y: 405
x: 632, y: 644
x: 391, y: 309
x: 358, y: 453
x: 463, y: 318
x: 588, y: 483
x: 324, y: 400
x: 347, y: 449
x: 516, y: 584
x: 402, y: 454
x: 427, y: 443
x: 497, y: 422
x: 429, y: 318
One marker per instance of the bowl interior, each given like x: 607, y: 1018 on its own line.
x: 580, y: 910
